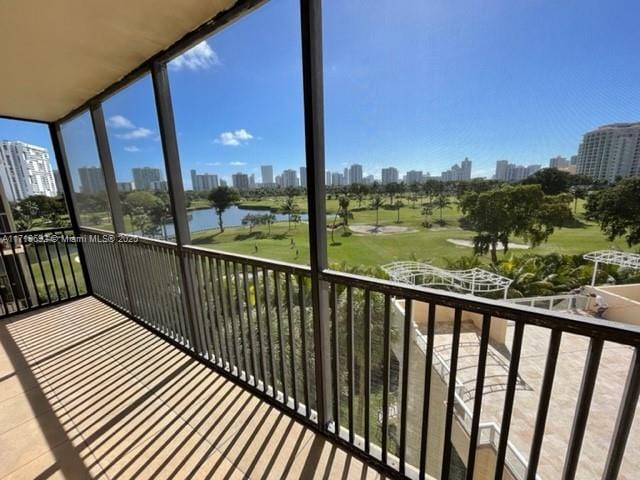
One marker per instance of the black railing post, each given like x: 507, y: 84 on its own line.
x: 177, y: 200
x: 65, y: 179
x: 311, y: 27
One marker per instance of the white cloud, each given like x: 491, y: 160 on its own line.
x: 213, y: 164
x: 199, y: 57
x: 237, y: 164
x: 234, y: 139
x: 120, y: 121
x: 131, y: 148
x: 139, y: 132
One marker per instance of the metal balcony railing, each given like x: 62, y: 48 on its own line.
x: 252, y: 320
x: 38, y: 268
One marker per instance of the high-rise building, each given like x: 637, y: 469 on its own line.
x: 355, y: 173
x: 345, y: 175
x: 25, y: 170
x: 159, y: 186
x: 240, y: 181
x: 328, y: 178
x: 509, y: 172
x: 465, y: 169
x: 531, y: 169
x: 303, y: 177
x: 610, y: 151
x: 389, y: 175
x: 413, y: 176
x: 143, y: 177
x: 289, y: 178
x: 368, y: 180
x: 124, y: 187
x: 91, y: 179
x: 337, y: 179
x: 502, y: 170
x: 267, y: 175
x: 559, y: 162
x: 457, y: 172
x: 203, y: 181
x: 252, y: 180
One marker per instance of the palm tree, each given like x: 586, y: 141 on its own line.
x: 376, y: 202
x: 289, y: 207
x: 427, y: 211
x: 442, y: 201
x: 221, y: 199
x: 398, y: 205
x: 343, y: 203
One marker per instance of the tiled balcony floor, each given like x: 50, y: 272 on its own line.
x: 87, y: 393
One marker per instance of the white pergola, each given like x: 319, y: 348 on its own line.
x: 473, y: 280
x: 612, y: 257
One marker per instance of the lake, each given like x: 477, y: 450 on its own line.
x: 206, y: 218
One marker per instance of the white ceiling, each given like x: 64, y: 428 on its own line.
x: 57, y: 54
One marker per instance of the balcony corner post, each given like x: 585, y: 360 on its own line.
x: 311, y: 28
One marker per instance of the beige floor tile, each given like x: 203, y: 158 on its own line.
x: 321, y: 459
x: 24, y: 406
x: 17, y: 382
x: 63, y: 462
x: 266, y: 443
x: 225, y: 410
x: 174, y: 451
x: 33, y: 438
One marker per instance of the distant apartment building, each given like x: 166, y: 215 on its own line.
x: 355, y: 173
x: 25, y: 170
x: 125, y: 187
x: 201, y: 182
x: 559, y: 162
x: 610, y: 151
x: 159, y: 186
x: 91, y: 179
x: 143, y: 177
x: 267, y: 175
x: 389, y: 175
x: 252, y: 180
x: 288, y: 178
x: 413, y: 177
x: 337, y: 179
x: 327, y: 180
x: 457, y: 172
x: 303, y: 177
x: 240, y: 181
x: 509, y: 172
x: 369, y: 180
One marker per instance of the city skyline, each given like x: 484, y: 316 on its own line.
x: 529, y: 101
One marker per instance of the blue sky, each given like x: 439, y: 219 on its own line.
x: 419, y: 87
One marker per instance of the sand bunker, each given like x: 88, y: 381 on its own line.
x: 469, y: 243
x: 381, y: 230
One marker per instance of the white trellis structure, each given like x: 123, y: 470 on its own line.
x: 473, y: 280
x: 612, y: 257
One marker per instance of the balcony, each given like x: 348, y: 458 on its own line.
x: 86, y: 392
x: 191, y: 362
x: 126, y: 356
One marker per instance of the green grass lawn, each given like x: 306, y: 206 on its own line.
x: 374, y: 250
x: 59, y: 272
